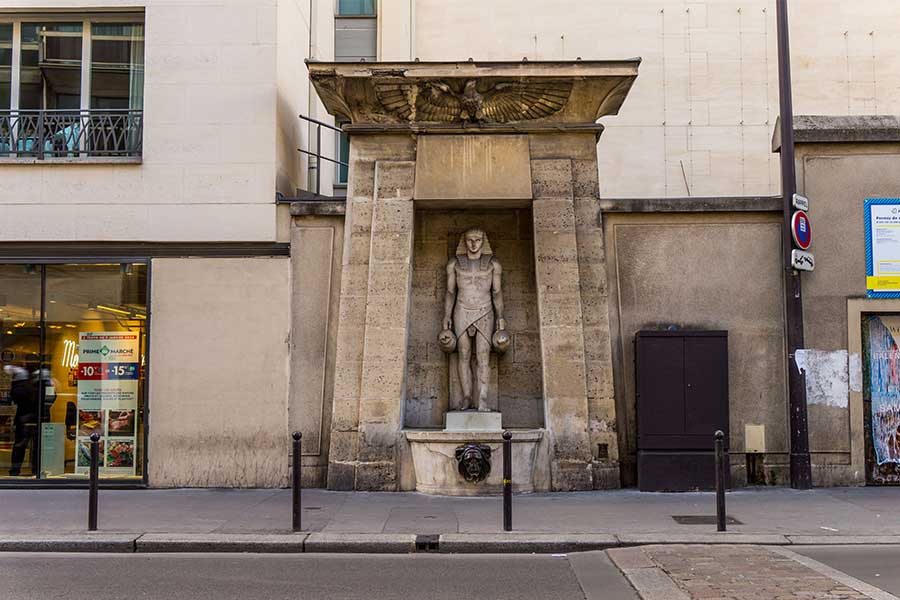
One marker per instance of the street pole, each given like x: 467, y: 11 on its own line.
x: 801, y: 477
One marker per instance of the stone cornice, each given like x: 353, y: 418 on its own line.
x: 473, y: 95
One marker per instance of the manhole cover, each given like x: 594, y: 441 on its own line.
x: 703, y: 520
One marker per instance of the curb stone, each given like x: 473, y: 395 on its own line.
x: 369, y: 543
x: 849, y: 540
x: 69, y: 542
x: 645, y: 539
x: 221, y: 542
x: 543, y: 543
x: 399, y: 543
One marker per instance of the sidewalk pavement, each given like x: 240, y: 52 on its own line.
x: 727, y: 572
x: 259, y: 520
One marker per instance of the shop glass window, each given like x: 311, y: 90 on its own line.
x: 356, y: 7
x: 83, y: 366
x: 20, y: 342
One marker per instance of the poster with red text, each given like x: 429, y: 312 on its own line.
x: 108, y: 377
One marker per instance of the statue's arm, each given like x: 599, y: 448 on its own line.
x: 497, y: 295
x: 450, y: 296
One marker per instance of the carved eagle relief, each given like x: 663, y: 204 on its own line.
x: 503, y: 102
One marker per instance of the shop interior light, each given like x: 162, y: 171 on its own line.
x: 113, y: 310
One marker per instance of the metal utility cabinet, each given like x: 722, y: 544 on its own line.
x: 682, y: 399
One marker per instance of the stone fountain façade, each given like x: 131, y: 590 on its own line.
x: 473, y: 286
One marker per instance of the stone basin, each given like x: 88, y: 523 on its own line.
x: 434, y: 457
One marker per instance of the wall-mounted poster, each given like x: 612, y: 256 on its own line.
x: 883, y: 355
x: 882, y: 217
x: 108, y: 373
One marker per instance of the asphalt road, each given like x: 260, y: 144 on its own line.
x: 876, y: 565
x: 581, y: 576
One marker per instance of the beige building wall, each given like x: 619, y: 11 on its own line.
x: 700, y: 116
x: 713, y: 271
x: 224, y: 83
x: 838, y: 177
x: 219, y: 363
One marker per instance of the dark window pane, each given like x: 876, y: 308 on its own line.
x: 117, y: 66
x: 50, y: 66
x: 343, y: 156
x: 356, y: 7
x: 5, y: 65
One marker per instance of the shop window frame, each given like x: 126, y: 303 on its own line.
x: 104, y: 482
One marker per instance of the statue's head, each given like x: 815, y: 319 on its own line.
x: 473, y: 242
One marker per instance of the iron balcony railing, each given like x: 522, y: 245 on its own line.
x: 43, y: 134
x: 318, y: 153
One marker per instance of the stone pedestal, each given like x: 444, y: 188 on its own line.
x: 437, y: 471
x: 473, y: 421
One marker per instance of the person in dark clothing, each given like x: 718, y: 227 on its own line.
x: 23, y: 394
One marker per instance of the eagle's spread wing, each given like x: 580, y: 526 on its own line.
x: 429, y: 102
x: 398, y: 99
x: 509, y: 102
x: 437, y: 103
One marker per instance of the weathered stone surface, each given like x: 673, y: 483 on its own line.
x: 437, y: 469
x: 562, y: 337
x: 472, y: 167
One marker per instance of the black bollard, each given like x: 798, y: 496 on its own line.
x: 93, y: 481
x: 295, y: 481
x: 507, y: 481
x: 720, y: 481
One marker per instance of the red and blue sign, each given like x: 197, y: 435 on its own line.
x: 801, y: 230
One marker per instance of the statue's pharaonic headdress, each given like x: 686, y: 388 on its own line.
x: 462, y: 250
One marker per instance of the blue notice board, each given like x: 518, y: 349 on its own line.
x: 882, y: 217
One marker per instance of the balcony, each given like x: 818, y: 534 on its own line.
x: 71, y: 135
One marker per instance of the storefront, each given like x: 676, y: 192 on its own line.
x: 73, y: 351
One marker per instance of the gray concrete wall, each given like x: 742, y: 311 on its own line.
x: 704, y: 271
x: 219, y: 372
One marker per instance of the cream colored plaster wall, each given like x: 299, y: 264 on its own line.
x: 219, y: 339
x: 700, y: 116
x: 211, y: 145
x: 293, y: 39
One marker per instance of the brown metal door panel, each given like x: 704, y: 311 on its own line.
x: 660, y: 410
x: 706, y: 387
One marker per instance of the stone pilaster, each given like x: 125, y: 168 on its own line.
x: 562, y: 324
x: 342, y: 456
x: 386, y: 326
x: 595, y: 312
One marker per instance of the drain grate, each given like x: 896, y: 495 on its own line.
x: 703, y: 520
x: 312, y: 508
x: 427, y: 542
